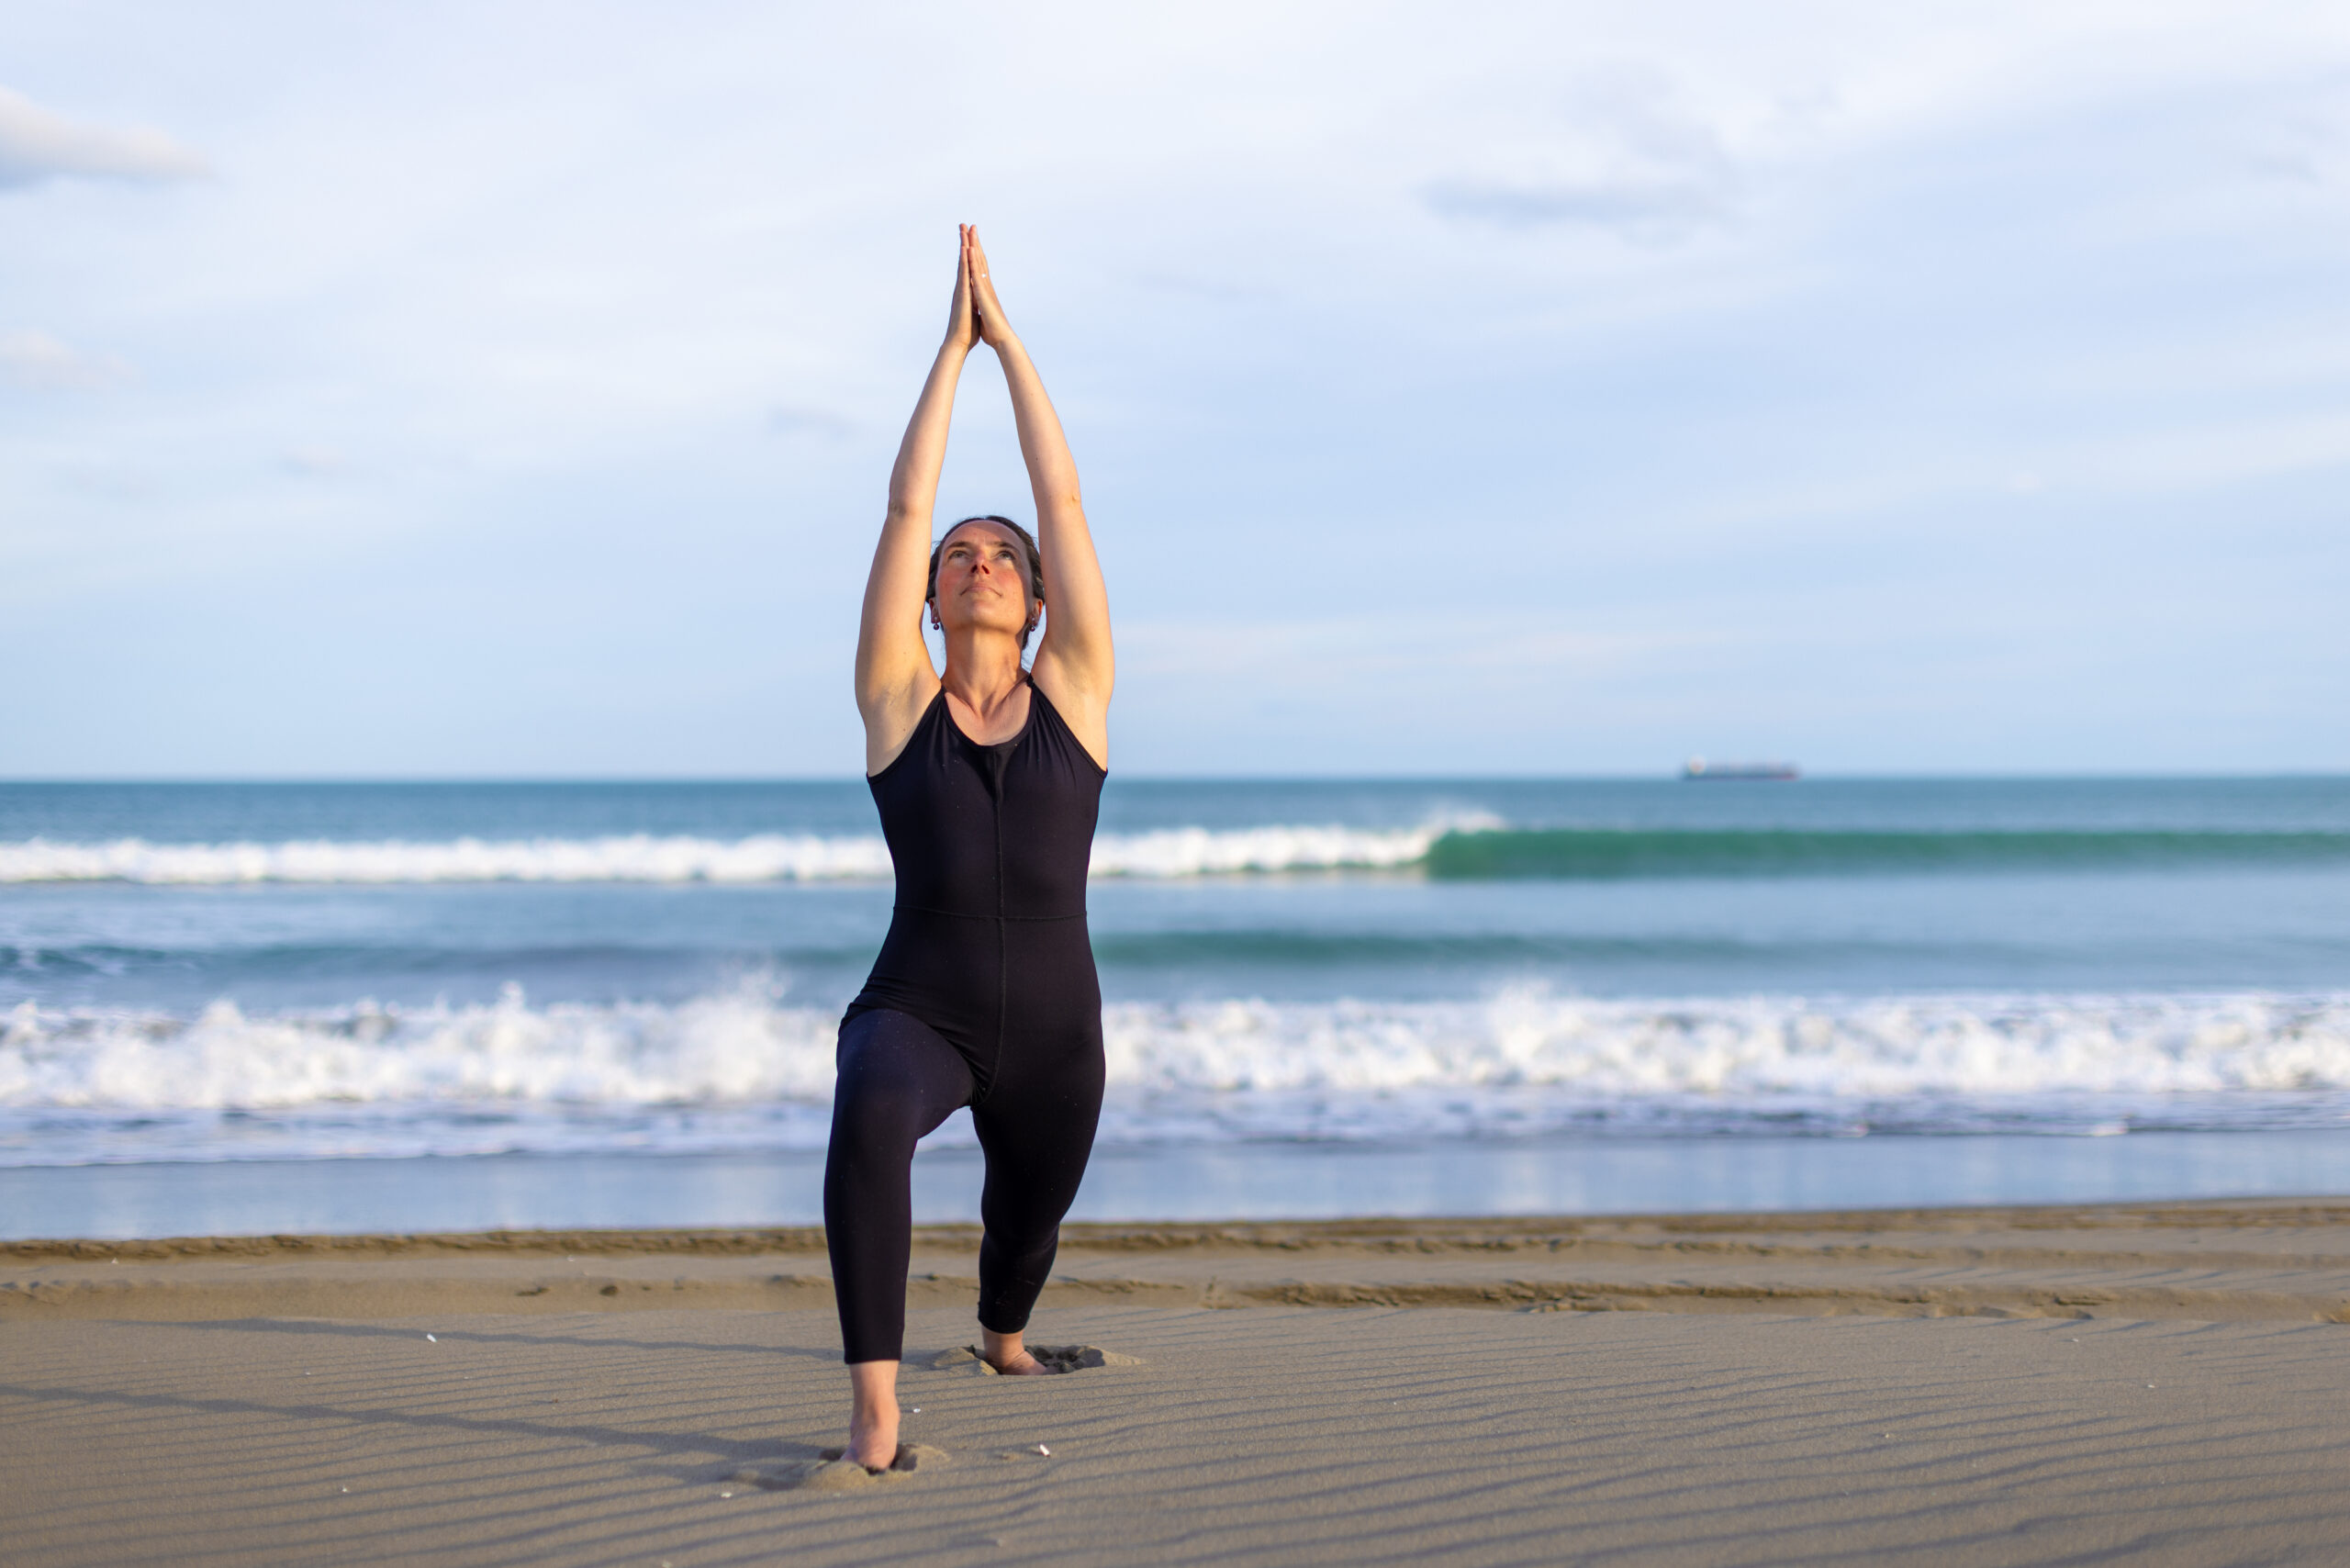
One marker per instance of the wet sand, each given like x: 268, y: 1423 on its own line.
x: 2160, y: 1383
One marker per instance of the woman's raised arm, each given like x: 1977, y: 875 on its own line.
x: 895, y: 679
x: 1074, y: 664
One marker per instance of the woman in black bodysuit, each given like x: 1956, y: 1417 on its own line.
x: 988, y: 778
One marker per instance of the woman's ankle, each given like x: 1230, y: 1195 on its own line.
x: 873, y: 1412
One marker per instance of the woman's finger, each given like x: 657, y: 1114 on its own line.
x: 963, y: 313
x: 985, y: 306
x: 971, y: 272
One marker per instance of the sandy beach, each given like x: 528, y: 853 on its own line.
x: 2156, y: 1383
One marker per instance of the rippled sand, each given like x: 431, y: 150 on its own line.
x: 2153, y: 1384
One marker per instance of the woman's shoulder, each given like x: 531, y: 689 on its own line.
x: 1087, y: 727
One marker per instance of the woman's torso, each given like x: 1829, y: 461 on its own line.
x: 991, y: 844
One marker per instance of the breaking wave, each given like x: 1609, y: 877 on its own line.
x: 1589, y: 853
x: 743, y: 1071
x: 764, y: 858
x: 1474, y: 848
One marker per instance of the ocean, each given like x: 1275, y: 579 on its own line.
x: 448, y: 1006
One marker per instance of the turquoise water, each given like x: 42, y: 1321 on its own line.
x: 194, y: 976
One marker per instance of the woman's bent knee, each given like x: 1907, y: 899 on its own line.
x: 877, y: 1117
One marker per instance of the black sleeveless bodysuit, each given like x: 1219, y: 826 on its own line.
x: 984, y: 994
x: 987, y: 943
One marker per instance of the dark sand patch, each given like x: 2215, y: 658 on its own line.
x: 2276, y: 1261
x: 832, y: 1470
x: 1054, y: 1358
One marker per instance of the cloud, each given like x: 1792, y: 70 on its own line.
x: 2310, y: 147
x: 37, y: 145
x: 1621, y: 154
x: 1645, y: 209
x: 314, y: 461
x: 39, y: 360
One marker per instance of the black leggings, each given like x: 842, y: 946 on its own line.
x: 899, y: 1078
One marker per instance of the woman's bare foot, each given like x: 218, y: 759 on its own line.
x: 1007, y: 1355
x: 873, y: 1413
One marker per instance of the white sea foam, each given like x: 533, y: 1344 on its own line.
x: 1529, y: 1062
x: 718, y: 1049
x: 1194, y: 851
x: 741, y: 1071
x: 763, y: 857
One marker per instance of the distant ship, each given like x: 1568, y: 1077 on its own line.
x: 1697, y: 767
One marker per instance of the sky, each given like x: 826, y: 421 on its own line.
x: 510, y: 389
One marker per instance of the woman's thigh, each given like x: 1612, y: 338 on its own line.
x: 1037, y: 1124
x: 899, y: 1077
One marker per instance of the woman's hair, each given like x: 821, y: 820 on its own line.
x: 1032, y: 564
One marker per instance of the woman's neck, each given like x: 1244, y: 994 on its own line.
x: 983, y: 671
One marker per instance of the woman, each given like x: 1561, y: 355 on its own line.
x: 988, y: 778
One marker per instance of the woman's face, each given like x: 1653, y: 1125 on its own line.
x: 979, y: 584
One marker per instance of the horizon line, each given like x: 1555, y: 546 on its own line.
x: 683, y: 780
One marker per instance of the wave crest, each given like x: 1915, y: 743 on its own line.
x: 764, y: 858
x: 743, y: 1071
x: 1474, y: 846
x: 1900, y: 1047
x: 1597, y: 852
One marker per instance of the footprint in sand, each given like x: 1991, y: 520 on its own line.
x: 831, y: 1471
x: 1056, y: 1357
